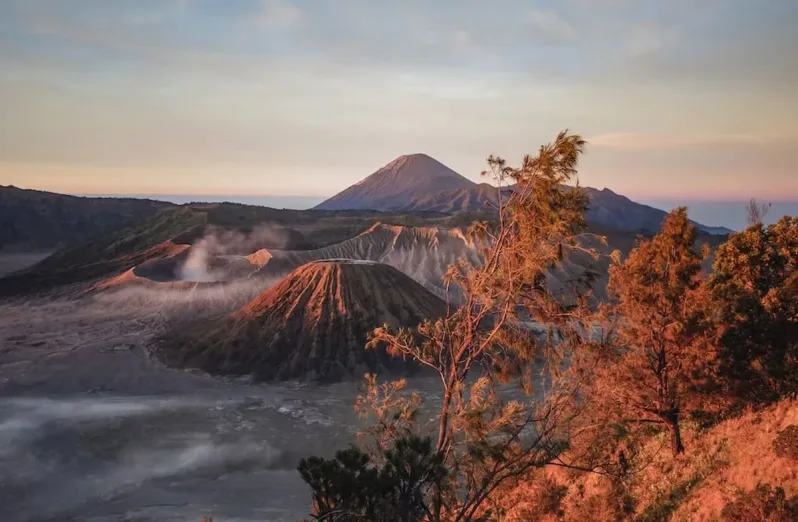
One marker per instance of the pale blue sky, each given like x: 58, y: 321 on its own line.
x: 678, y: 99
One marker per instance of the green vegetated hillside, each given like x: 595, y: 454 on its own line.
x: 109, y: 252
x: 33, y: 220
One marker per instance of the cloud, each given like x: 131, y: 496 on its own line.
x: 646, y: 40
x: 278, y: 13
x: 238, y: 92
x: 44, y: 15
x: 163, y: 11
x: 551, y: 24
x: 109, y: 31
x: 658, y: 141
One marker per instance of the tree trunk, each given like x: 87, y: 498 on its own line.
x: 443, y: 423
x: 672, y: 421
x: 441, y: 447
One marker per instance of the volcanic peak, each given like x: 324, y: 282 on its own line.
x: 397, y: 184
x: 313, y: 324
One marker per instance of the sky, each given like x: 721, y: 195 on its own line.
x: 678, y: 100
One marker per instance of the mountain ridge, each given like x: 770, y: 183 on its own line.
x: 419, y: 183
x: 32, y: 220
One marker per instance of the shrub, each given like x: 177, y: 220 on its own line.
x: 786, y: 443
x: 548, y: 498
x: 539, y: 500
x: 764, y: 504
x: 352, y: 487
x: 613, y: 503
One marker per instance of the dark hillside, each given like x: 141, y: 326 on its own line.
x: 33, y: 220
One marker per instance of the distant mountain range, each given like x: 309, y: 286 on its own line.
x: 227, y: 241
x: 418, y: 182
x: 617, y: 211
x: 38, y: 221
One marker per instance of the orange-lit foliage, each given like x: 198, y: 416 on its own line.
x: 721, y: 466
x: 488, y: 439
x: 662, y: 349
x: 786, y: 443
x: 763, y: 504
x: 622, y: 384
x: 755, y: 291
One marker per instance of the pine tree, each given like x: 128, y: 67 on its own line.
x: 663, y: 336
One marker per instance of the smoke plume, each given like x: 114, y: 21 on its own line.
x: 218, y: 242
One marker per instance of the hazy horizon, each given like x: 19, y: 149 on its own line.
x: 676, y: 99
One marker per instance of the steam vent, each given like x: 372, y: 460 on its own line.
x: 313, y: 324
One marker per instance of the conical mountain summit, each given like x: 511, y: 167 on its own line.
x: 398, y: 184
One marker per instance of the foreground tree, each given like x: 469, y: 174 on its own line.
x: 663, y: 350
x: 353, y: 487
x: 755, y: 292
x: 510, y: 329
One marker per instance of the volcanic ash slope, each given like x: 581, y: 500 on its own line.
x: 312, y: 325
x: 423, y: 253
